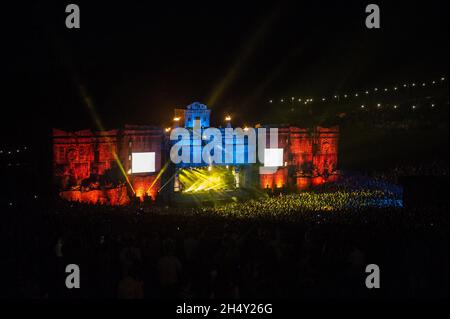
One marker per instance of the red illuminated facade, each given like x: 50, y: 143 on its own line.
x: 94, y: 167
x: 310, y: 158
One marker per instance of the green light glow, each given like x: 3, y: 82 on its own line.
x: 202, y: 179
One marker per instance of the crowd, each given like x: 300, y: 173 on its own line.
x: 309, y: 245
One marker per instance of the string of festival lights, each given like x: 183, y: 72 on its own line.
x: 368, y: 92
x: 11, y: 158
x: 12, y: 152
x: 309, y: 100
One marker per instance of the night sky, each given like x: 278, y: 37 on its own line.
x: 139, y: 60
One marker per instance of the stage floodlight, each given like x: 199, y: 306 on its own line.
x: 273, y: 157
x: 143, y: 162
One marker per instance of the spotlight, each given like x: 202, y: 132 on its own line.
x: 227, y: 118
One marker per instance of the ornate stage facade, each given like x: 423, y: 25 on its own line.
x: 97, y: 166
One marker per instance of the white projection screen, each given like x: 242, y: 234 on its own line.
x: 143, y: 162
x: 273, y: 157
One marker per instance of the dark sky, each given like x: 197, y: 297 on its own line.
x: 139, y: 60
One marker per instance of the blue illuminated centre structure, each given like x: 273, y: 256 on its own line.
x: 197, y: 112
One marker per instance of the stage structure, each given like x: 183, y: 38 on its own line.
x: 115, y: 167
